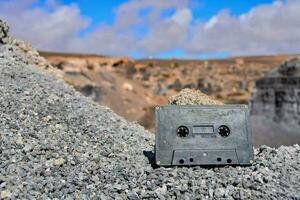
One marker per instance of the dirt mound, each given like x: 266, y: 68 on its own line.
x: 192, y: 97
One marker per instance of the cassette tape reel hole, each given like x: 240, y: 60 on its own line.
x: 224, y: 131
x: 182, y: 131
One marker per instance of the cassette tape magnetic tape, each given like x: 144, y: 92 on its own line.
x: 203, y: 135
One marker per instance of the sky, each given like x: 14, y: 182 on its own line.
x: 157, y: 28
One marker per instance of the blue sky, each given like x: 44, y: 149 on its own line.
x: 104, y: 11
x: 157, y: 28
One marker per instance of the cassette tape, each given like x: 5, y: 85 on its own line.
x: 203, y: 135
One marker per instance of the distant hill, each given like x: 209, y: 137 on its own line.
x: 51, y: 54
x: 132, y: 88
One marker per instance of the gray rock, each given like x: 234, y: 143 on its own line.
x: 4, y: 32
x: 133, y: 196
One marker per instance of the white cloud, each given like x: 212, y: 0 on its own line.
x: 55, y: 27
x: 45, y: 29
x: 182, y: 17
x: 162, y: 33
x: 167, y: 34
x: 128, y: 13
x: 266, y: 29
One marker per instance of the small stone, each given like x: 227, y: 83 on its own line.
x: 47, y: 118
x: 133, y: 196
x: 59, y: 162
x: 5, y: 194
x: 20, y: 141
x: 220, y: 192
x: 211, y: 192
x: 27, y: 148
x: 161, y: 190
x: 127, y: 86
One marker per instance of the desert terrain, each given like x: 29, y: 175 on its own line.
x: 132, y: 88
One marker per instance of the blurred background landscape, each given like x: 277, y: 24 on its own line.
x: 132, y: 88
x: 133, y: 55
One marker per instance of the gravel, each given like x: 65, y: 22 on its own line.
x: 57, y: 144
x: 192, y: 97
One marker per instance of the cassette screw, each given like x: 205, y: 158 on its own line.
x: 224, y: 131
x: 182, y: 131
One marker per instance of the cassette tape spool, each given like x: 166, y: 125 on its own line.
x: 203, y: 135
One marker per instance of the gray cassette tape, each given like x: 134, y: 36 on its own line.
x: 203, y: 135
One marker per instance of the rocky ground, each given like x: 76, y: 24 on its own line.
x: 57, y: 144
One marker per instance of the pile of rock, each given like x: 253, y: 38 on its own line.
x: 56, y: 143
x: 192, y: 97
